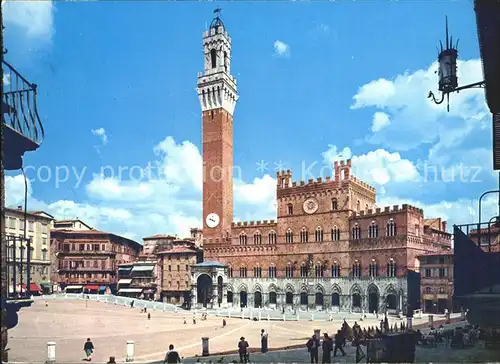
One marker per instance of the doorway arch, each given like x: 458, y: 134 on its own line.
x: 289, y: 298
x: 335, y: 299
x: 204, y: 289
x: 303, y: 299
x: 272, y: 298
x: 373, y: 298
x: 319, y: 299
x: 257, y: 299
x: 243, y: 298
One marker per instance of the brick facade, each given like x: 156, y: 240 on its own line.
x: 330, y: 246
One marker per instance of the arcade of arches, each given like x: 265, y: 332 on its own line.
x: 213, y: 289
x: 369, y: 300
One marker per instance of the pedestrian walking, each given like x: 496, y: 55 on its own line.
x: 224, y: 323
x: 339, y: 343
x: 243, y: 350
x: 312, y: 348
x: 263, y: 341
x: 172, y: 356
x: 88, y: 348
x: 327, y: 347
x: 112, y: 360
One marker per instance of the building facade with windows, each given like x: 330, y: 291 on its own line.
x: 330, y: 246
x: 176, y: 264
x: 436, y: 281
x: 87, y: 260
x: 38, y: 228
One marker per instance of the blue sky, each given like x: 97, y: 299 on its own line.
x: 117, y: 88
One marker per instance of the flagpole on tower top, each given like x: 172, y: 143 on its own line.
x: 217, y: 11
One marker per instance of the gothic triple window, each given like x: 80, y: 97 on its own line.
x: 304, y: 236
x: 289, y: 271
x: 257, y: 272
x: 335, y: 234
x: 257, y: 238
x: 391, y: 268
x: 391, y: 228
x: 335, y: 270
x: 373, y: 268
x: 243, y: 272
x: 318, y: 268
x: 243, y: 239
x: 272, y: 271
x: 272, y: 237
x: 373, y: 230
x: 304, y: 271
x: 319, y: 234
x: 356, y: 269
x: 289, y: 236
x: 356, y: 232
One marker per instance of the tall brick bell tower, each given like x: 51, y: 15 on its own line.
x: 218, y: 94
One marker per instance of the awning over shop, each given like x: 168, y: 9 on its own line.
x: 35, y: 287
x: 130, y: 290
x: 124, y: 281
x: 102, y: 288
x: 74, y: 287
x: 46, y: 284
x: 124, y: 269
x: 149, y: 291
x: 92, y: 288
x: 143, y: 268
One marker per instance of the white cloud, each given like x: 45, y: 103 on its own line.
x: 101, y: 133
x: 380, y: 121
x: 281, y: 48
x: 378, y: 167
x: 35, y: 18
x: 416, y: 120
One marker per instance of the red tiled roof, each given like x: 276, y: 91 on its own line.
x: 159, y: 236
x: 178, y: 250
x: 81, y: 232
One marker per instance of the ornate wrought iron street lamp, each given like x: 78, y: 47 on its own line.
x: 447, y: 73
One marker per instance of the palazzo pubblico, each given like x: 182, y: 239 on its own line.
x: 331, y: 247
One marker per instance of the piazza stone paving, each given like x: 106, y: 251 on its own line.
x: 68, y: 322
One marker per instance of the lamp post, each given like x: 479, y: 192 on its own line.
x: 447, y: 73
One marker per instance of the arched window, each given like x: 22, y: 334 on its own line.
x: 373, y: 230
x: 243, y: 272
x: 289, y: 270
x: 335, y: 234
x: 304, y: 236
x: 257, y: 238
x: 428, y: 290
x: 225, y: 61
x: 303, y: 271
x: 243, y: 239
x: 390, y: 228
x: 271, y: 237
x: 213, y: 58
x: 257, y: 272
x: 373, y: 268
x: 335, y: 204
x: 289, y: 236
x: 318, y: 270
x: 230, y: 272
x: 272, y: 271
x: 366, y: 207
x: 335, y: 270
x: 358, y: 206
x: 441, y: 289
x: 391, y: 268
x: 356, y: 269
x: 319, y: 234
x: 290, y: 209
x: 356, y: 232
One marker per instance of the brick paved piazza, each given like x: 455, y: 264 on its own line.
x: 69, y: 323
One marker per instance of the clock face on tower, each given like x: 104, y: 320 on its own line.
x: 212, y: 220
